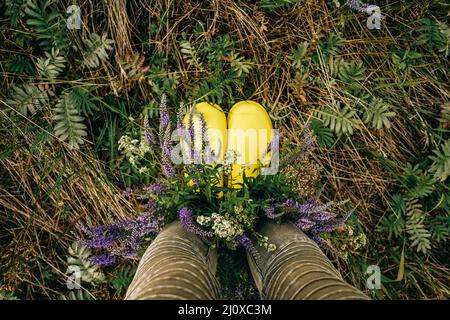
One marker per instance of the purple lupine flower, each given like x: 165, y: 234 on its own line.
x: 120, y: 239
x: 247, y: 243
x: 103, y: 259
x: 305, y: 224
x: 315, y: 219
x: 324, y: 245
x: 158, y: 188
x: 149, y: 137
x: 185, y: 216
x: 164, y: 117
x: 357, y: 5
x: 270, y: 213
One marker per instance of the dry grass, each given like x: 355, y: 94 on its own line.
x: 46, y: 189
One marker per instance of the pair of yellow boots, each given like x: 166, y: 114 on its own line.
x: 245, y: 134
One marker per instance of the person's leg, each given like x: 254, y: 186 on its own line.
x: 177, y: 265
x: 297, y: 269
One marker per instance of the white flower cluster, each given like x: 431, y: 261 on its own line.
x: 223, y: 228
x: 134, y: 150
x: 263, y: 241
x: 230, y: 157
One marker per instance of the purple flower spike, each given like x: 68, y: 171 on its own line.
x: 120, y: 239
x: 149, y: 137
x: 158, y: 188
x: 247, y: 243
x: 103, y: 259
x: 186, y: 221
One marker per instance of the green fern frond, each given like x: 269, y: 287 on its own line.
x: 47, y: 24
x: 323, y: 135
x: 441, y: 161
x: 392, y: 224
x: 14, y: 10
x: 190, y: 54
x: 21, y: 64
x: 79, y: 257
x: 239, y: 65
x: 352, y: 74
x: 221, y: 47
x: 405, y: 60
x: 430, y: 35
x: 214, y: 88
x: 424, y: 186
x: 416, y: 228
x: 417, y: 182
x: 377, y: 114
x: 97, y: 47
x: 52, y: 65
x: 69, y: 124
x: 83, y: 99
x: 28, y: 98
x: 122, y: 279
x: 151, y: 109
x: 440, y: 228
x: 339, y: 119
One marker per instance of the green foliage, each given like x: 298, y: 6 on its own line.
x: 214, y: 89
x: 416, y: 228
x: 339, y: 119
x: 14, y: 9
x: 393, y: 223
x: 430, y: 35
x: 122, y: 279
x: 190, y: 54
x: 28, y: 98
x: 352, y: 74
x: 84, y: 98
x: 440, y: 228
x: 299, y: 53
x: 7, y: 296
x: 69, y: 124
x: 51, y: 65
x: 239, y: 65
x: 80, y: 294
x: 331, y: 47
x: 418, y: 184
x: 132, y: 66
x: 405, y: 60
x: 79, y: 259
x: 21, y: 64
x: 47, y: 25
x: 324, y: 136
x: 97, y: 50
x: 377, y: 114
x: 441, y: 161
x: 271, y: 5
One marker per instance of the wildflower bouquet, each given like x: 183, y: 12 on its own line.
x: 195, y: 194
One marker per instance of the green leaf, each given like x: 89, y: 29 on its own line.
x: 377, y: 114
x: 339, y: 119
x: 441, y: 161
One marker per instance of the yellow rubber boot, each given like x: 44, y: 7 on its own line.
x: 249, y: 136
x: 216, y: 126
